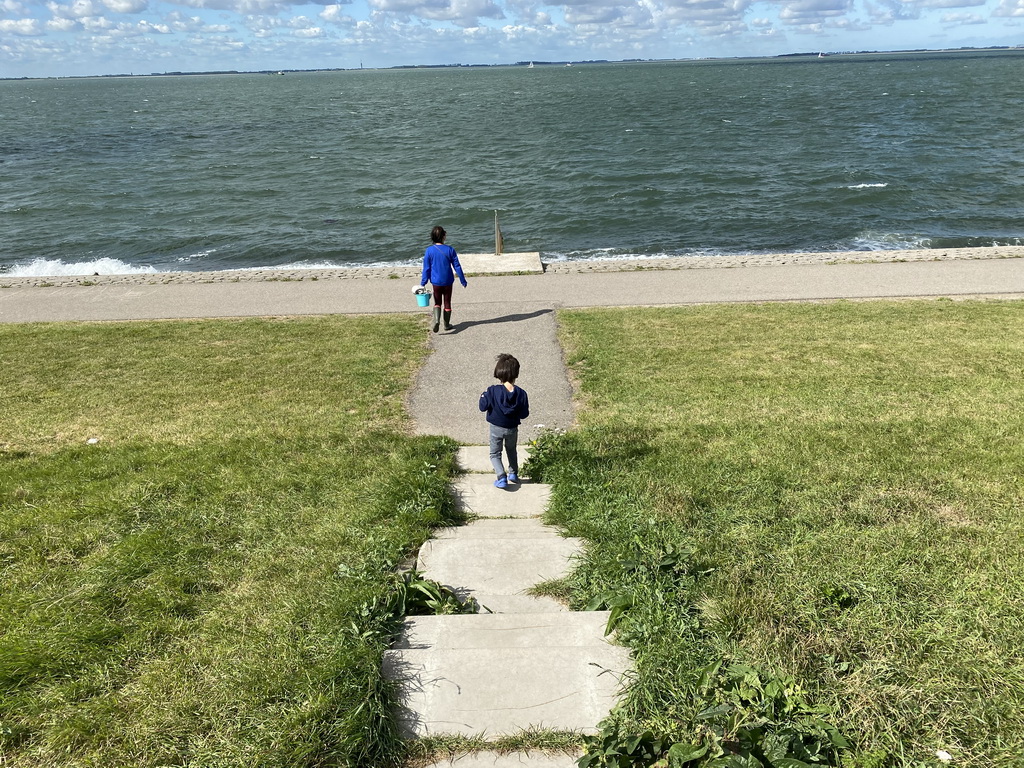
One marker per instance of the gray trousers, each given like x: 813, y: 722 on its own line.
x: 508, y: 437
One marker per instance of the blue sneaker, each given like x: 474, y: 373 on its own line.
x: 501, y: 482
x: 513, y: 477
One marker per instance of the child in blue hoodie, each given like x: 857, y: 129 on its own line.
x: 506, y: 406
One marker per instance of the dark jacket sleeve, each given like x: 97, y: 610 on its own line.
x: 524, y: 406
x: 485, y: 401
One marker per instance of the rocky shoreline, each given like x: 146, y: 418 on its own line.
x: 554, y: 267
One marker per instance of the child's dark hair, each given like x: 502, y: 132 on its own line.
x: 507, y: 368
x: 437, y: 234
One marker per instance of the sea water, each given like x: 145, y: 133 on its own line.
x: 625, y: 160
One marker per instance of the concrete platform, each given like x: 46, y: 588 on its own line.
x: 506, y: 263
x: 476, y: 494
x: 494, y: 692
x: 496, y: 566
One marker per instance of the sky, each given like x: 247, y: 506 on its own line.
x: 62, y: 38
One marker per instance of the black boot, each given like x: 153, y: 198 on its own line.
x: 437, y: 318
x: 448, y: 320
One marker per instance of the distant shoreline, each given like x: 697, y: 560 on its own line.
x: 552, y: 267
x: 781, y: 57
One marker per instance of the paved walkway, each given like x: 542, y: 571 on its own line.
x: 461, y: 364
x: 497, y: 296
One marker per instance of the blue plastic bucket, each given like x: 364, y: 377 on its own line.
x: 422, y: 299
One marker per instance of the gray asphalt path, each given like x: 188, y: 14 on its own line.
x: 642, y: 287
x: 446, y: 396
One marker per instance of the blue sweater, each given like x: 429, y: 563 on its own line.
x: 504, y: 408
x: 438, y: 262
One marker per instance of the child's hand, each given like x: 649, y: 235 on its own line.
x: 465, y: 284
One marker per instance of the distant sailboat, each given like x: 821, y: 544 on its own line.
x: 530, y: 65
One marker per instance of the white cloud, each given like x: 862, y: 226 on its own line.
x: 948, y: 3
x: 1010, y: 9
x: 813, y: 12
x: 96, y: 24
x: 333, y: 14
x: 959, y: 19
x: 79, y: 9
x: 126, y: 6
x: 61, y: 25
x: 464, y: 13
x: 22, y: 27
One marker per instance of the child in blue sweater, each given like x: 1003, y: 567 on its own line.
x: 440, y: 265
x: 506, y: 406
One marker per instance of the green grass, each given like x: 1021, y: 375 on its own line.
x: 828, y: 493
x: 204, y: 585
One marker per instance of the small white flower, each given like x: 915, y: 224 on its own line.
x: 539, y: 426
x: 92, y: 440
x: 943, y: 755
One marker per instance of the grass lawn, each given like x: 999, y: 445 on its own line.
x: 201, y: 585
x: 828, y: 498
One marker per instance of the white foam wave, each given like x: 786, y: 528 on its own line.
x: 197, y: 255
x: 867, y: 186
x: 888, y: 241
x: 58, y: 268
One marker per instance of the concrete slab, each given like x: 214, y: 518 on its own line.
x: 476, y: 458
x: 503, y: 630
x: 500, y: 528
x: 518, y: 604
x: 506, y: 263
x: 496, y: 566
x: 533, y: 759
x: 494, y: 692
x: 477, y: 495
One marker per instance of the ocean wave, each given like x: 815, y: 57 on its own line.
x: 58, y: 268
x: 887, y: 241
x: 878, y: 185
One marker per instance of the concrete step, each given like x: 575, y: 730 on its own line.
x: 476, y: 458
x: 476, y: 494
x: 518, y: 604
x: 499, y: 528
x: 533, y: 759
x: 543, y: 630
x: 496, y: 566
x: 500, y: 691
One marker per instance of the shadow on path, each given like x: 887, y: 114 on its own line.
x: 465, y: 324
